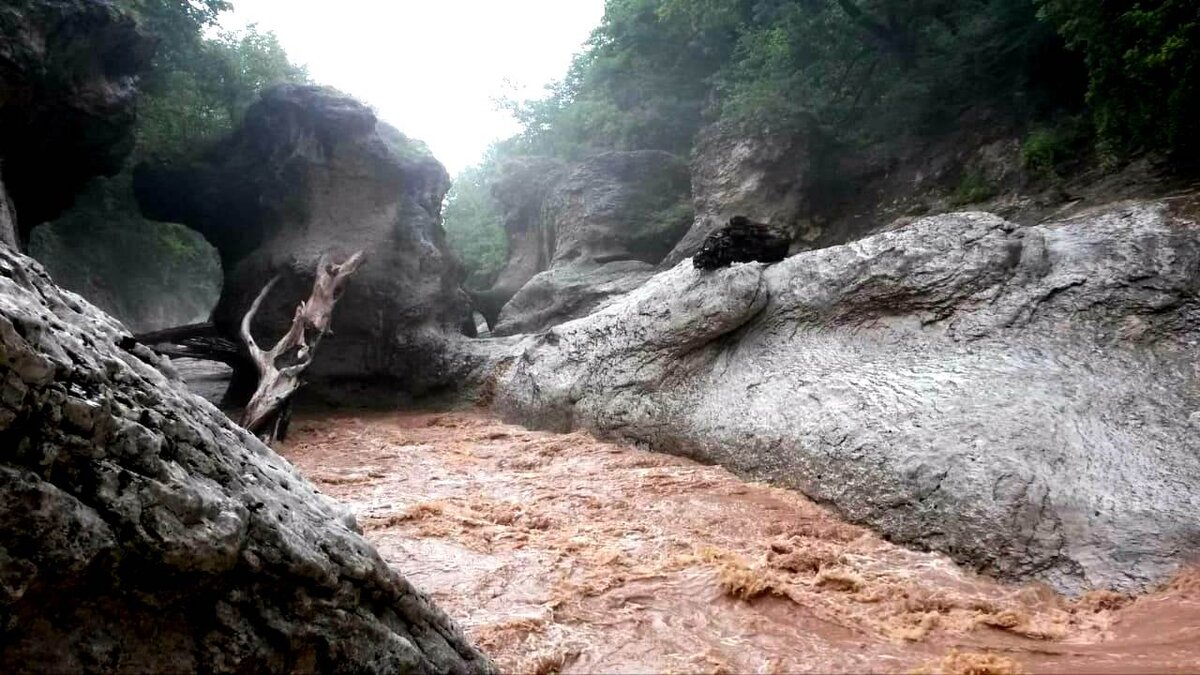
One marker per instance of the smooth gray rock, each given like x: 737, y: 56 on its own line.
x: 1017, y: 397
x: 612, y: 214
x: 142, y: 531
x: 521, y: 187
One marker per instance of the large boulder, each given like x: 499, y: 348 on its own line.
x: 1025, y: 399
x: 601, y: 227
x: 67, y: 75
x: 142, y: 531
x: 313, y: 172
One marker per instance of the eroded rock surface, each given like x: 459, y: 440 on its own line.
x: 597, y: 231
x: 67, y: 75
x: 1022, y: 398
x: 311, y: 172
x: 142, y: 531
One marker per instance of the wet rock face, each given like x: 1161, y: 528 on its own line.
x: 741, y: 241
x: 598, y: 230
x: 310, y: 172
x: 67, y: 75
x: 1022, y: 398
x: 142, y: 531
x: 8, y: 219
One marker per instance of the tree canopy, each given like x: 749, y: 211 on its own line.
x: 863, y: 71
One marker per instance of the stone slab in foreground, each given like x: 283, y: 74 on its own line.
x: 142, y: 531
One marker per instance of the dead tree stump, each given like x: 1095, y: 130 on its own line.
x: 279, y: 368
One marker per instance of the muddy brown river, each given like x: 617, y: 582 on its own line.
x: 562, y: 553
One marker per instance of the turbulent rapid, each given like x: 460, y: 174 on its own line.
x: 562, y: 553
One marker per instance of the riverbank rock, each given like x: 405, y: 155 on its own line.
x: 600, y: 228
x: 312, y: 171
x: 68, y: 71
x: 1021, y: 398
x: 521, y: 187
x: 142, y: 531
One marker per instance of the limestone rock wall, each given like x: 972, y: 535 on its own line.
x: 585, y: 233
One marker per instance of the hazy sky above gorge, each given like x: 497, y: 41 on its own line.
x: 432, y: 68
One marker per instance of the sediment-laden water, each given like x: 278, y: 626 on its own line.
x: 564, y: 553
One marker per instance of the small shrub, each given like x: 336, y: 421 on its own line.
x: 972, y: 188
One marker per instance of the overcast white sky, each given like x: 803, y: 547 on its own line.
x: 430, y: 67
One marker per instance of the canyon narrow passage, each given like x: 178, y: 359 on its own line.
x: 562, y: 553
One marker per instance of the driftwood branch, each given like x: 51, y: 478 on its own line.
x: 279, y: 368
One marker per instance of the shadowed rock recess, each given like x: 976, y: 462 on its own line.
x: 1025, y: 399
x: 67, y: 73
x: 142, y: 531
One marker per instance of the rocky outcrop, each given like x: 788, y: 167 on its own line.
x: 765, y: 179
x: 597, y: 231
x: 67, y: 75
x: 521, y: 187
x: 310, y: 172
x: 142, y: 531
x: 1025, y: 399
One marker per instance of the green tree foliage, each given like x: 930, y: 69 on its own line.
x: 472, y: 222
x: 872, y: 71
x: 201, y: 92
x: 1143, y: 69
x: 641, y: 82
x: 655, y: 70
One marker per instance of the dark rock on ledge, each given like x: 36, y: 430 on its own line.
x: 142, y: 531
x: 741, y: 241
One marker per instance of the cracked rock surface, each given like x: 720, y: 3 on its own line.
x: 142, y: 531
x: 1022, y: 398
